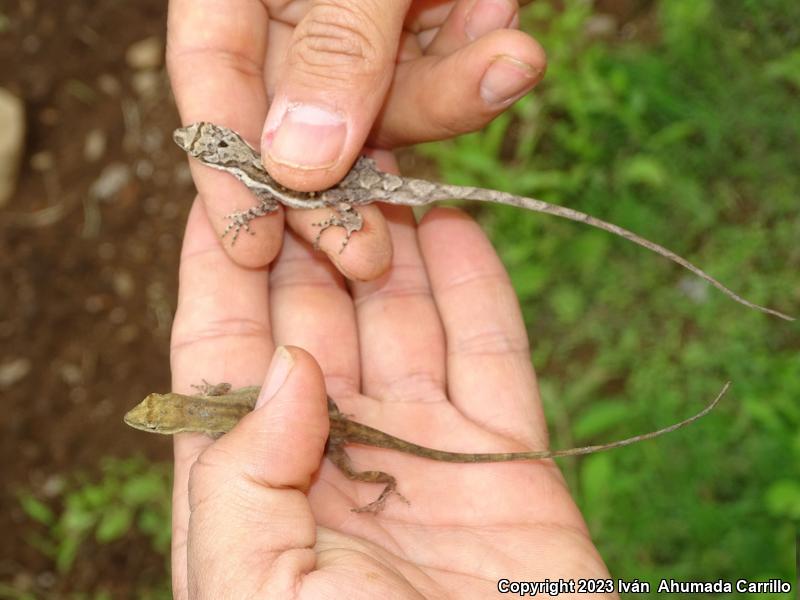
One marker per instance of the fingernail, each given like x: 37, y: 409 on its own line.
x: 279, y: 369
x: 506, y: 79
x: 488, y: 15
x: 307, y: 137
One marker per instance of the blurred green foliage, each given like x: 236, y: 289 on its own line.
x: 131, y: 496
x: 688, y: 134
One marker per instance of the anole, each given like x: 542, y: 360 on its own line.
x: 217, y: 409
x: 224, y: 149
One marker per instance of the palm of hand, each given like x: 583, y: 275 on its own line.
x: 444, y: 318
x: 464, y: 526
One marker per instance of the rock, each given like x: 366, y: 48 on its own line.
x: 145, y: 54
x: 113, y: 178
x: 109, y: 84
x: 147, y: 84
x: 42, y: 161
x: 13, y: 371
x: 94, y: 146
x: 601, y: 26
x: 12, y: 136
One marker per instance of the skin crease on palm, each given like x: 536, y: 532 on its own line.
x: 432, y: 347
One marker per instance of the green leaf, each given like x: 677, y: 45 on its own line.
x: 115, y: 522
x: 568, y: 303
x: 644, y: 170
x: 783, y: 499
x: 141, y: 489
x: 597, y: 472
x: 601, y: 417
x: 37, y: 510
x: 67, y: 551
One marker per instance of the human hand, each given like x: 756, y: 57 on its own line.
x: 438, y: 349
x: 380, y: 74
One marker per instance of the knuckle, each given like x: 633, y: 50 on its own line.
x: 338, y: 41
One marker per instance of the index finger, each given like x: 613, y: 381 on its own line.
x: 215, y: 58
x: 221, y: 333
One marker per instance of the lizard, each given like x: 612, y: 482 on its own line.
x: 217, y: 409
x: 224, y: 149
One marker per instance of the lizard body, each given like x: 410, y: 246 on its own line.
x: 224, y: 149
x: 217, y: 410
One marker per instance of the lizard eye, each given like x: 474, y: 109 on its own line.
x: 222, y: 144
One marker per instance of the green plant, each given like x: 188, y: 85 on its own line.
x: 688, y: 136
x: 131, y: 496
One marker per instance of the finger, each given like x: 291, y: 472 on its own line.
x: 364, y: 256
x: 489, y: 372
x: 481, y: 79
x: 312, y: 309
x: 215, y: 54
x: 469, y: 20
x: 338, y: 68
x: 221, y: 333
x: 249, y: 512
x: 400, y: 333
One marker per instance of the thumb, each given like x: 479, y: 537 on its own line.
x: 338, y: 69
x: 250, y: 524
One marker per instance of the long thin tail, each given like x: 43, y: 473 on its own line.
x: 445, y: 192
x: 463, y: 457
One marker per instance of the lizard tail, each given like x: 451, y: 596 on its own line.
x: 449, y: 192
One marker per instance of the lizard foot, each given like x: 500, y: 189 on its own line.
x: 212, y: 389
x: 336, y: 453
x: 377, y: 505
x: 344, y: 216
x: 240, y: 220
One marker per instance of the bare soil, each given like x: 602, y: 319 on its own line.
x: 87, y: 273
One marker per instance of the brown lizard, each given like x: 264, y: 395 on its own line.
x: 217, y: 409
x: 224, y: 149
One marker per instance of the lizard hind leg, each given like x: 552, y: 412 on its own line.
x: 344, y: 216
x: 340, y: 458
x: 240, y: 219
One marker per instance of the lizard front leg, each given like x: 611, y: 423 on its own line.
x: 241, y: 219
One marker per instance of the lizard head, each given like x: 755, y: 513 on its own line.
x: 157, y: 413
x: 213, y: 145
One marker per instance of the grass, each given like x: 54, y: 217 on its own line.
x: 691, y: 139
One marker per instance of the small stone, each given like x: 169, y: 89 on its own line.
x: 124, y: 284
x: 146, y: 83
x: 109, y: 84
x: 695, y: 289
x: 42, y: 161
x: 112, y: 179
x: 145, y: 54
x: 13, y: 371
x: 144, y: 169
x: 12, y: 136
x: 94, y: 146
x: 71, y: 374
x: 601, y: 26
x: 53, y: 486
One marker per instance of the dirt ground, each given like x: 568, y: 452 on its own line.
x: 89, y: 248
